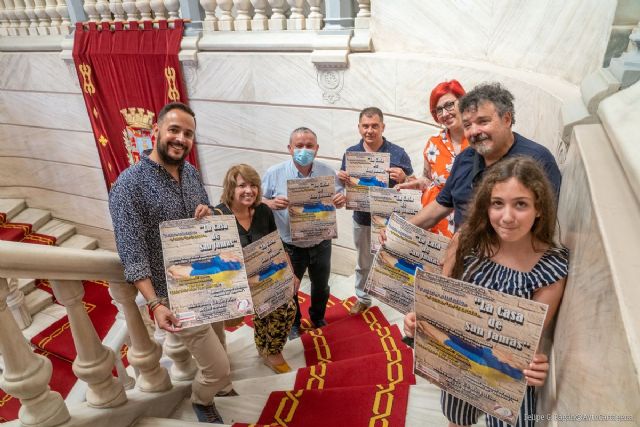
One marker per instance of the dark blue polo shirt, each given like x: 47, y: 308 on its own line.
x: 399, y: 159
x: 469, y: 167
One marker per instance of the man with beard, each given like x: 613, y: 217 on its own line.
x: 487, y: 117
x: 161, y: 187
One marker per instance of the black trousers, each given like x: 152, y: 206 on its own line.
x: 317, y: 259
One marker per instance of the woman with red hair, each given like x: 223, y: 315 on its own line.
x: 441, y: 149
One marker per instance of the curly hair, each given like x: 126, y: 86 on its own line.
x: 477, y: 235
x: 452, y: 86
x: 231, y: 182
x: 492, y: 92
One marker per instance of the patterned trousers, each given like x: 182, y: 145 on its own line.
x: 271, y: 332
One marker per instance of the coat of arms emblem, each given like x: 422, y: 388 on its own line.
x: 137, y: 134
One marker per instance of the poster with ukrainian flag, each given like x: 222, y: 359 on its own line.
x: 385, y: 201
x: 365, y: 170
x: 269, y: 273
x: 407, y: 248
x: 312, y: 214
x: 205, y: 270
x: 474, y: 342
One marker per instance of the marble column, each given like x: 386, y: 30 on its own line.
x: 314, y: 20
x: 225, y: 20
x: 296, y: 20
x: 184, y: 367
x: 17, y: 306
x: 144, y: 7
x: 26, y: 375
x: 144, y: 353
x: 94, y: 362
x: 278, y: 20
x: 259, y: 21
x: 243, y: 17
x: 210, y: 22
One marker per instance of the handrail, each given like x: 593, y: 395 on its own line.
x: 56, y: 263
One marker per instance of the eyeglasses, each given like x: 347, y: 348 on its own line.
x: 439, y: 111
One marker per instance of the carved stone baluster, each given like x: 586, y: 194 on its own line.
x: 278, y: 21
x: 94, y: 362
x: 91, y: 9
x: 16, y: 304
x: 117, y: 10
x: 4, y: 20
x: 159, y: 11
x: 184, y: 367
x: 132, y: 11
x: 21, y: 15
x: 144, y: 7
x: 101, y: 8
x: 44, y: 20
x: 127, y: 381
x: 56, y: 21
x: 259, y: 21
x: 173, y: 6
x: 364, y: 14
x: 210, y: 22
x: 296, y: 20
x: 243, y: 19
x: 144, y: 353
x: 9, y: 12
x: 29, y: 8
x: 65, y: 25
x: 26, y: 375
x: 225, y: 21
x: 314, y: 20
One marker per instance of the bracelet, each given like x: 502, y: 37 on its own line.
x: 155, y: 302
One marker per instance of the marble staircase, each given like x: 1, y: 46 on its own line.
x: 38, y: 303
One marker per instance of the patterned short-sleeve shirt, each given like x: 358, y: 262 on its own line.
x: 143, y: 196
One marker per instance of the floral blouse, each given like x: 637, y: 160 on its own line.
x: 439, y: 154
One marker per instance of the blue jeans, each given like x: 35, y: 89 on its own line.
x: 317, y: 259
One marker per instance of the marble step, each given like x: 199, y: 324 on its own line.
x: 11, y: 207
x: 36, y: 217
x: 79, y: 241
x: 37, y: 300
x: 59, y: 229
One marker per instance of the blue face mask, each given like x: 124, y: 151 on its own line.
x: 303, y: 156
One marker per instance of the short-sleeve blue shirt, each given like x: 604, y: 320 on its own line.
x: 274, y: 183
x: 399, y: 159
x: 468, y: 169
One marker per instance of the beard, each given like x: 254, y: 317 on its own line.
x: 162, y: 147
x: 478, y: 144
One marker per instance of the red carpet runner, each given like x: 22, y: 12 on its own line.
x: 56, y: 342
x: 358, y: 374
x: 336, y: 310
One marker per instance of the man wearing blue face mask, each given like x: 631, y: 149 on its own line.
x: 312, y: 255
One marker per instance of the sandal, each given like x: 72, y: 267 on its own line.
x: 281, y: 368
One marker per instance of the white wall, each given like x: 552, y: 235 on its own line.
x: 247, y: 103
x: 566, y: 39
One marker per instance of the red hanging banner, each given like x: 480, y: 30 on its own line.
x: 127, y: 75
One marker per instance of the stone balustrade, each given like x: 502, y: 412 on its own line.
x: 52, y: 17
x: 226, y: 25
x: 34, y: 18
x: 27, y: 375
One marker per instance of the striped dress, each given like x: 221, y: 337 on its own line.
x: 552, y: 266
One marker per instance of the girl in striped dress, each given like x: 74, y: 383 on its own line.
x: 507, y: 244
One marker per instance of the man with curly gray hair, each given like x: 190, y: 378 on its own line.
x: 487, y: 117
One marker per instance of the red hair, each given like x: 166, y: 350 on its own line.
x: 453, y: 87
